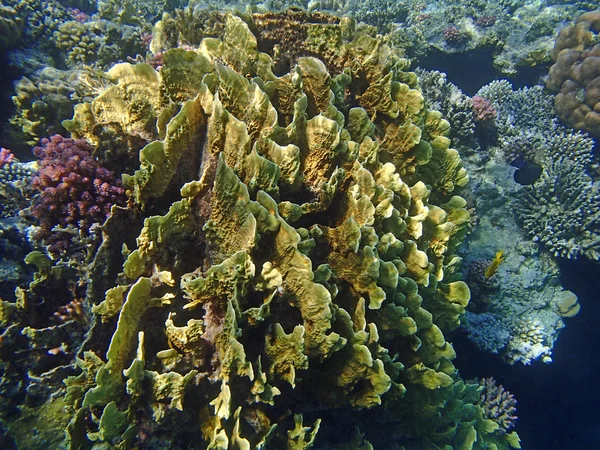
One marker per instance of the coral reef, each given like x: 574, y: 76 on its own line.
x: 77, y: 41
x: 297, y: 266
x: 455, y: 37
x: 575, y: 74
x: 528, y: 342
x: 444, y: 96
x: 74, y: 192
x: 12, y: 170
x: 526, y: 286
x: 15, y: 177
x: 559, y: 211
x: 483, y: 109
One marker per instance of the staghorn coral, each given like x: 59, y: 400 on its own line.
x: 74, y: 191
x: 296, y: 270
x: 498, y: 404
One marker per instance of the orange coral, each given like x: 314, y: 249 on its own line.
x: 576, y: 74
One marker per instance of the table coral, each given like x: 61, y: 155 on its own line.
x: 291, y: 266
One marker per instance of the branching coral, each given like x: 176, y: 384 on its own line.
x: 528, y: 343
x: 483, y: 109
x: 498, y: 404
x: 77, y: 41
x: 456, y: 107
x: 562, y: 211
x: 74, y: 191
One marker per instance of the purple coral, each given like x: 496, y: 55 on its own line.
x: 74, y: 190
x: 498, y: 404
x: 486, y: 21
x: 483, y: 109
x: 454, y: 37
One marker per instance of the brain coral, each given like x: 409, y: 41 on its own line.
x: 576, y: 74
x: 296, y: 267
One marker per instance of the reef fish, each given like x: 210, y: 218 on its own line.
x: 493, y: 267
x: 527, y: 171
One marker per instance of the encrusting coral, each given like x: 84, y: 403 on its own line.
x: 297, y: 256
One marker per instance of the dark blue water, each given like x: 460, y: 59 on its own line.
x: 558, y: 402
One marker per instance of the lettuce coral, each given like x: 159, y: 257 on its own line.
x: 296, y: 266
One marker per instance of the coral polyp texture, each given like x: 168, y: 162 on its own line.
x: 74, y: 191
x: 296, y: 270
x: 12, y: 170
x: 575, y: 74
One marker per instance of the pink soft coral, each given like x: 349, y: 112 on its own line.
x: 6, y: 157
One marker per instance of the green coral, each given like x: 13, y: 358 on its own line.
x: 79, y: 43
x: 10, y: 27
x: 293, y: 261
x: 42, y: 102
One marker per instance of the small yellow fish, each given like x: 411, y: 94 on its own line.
x: 493, y: 267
